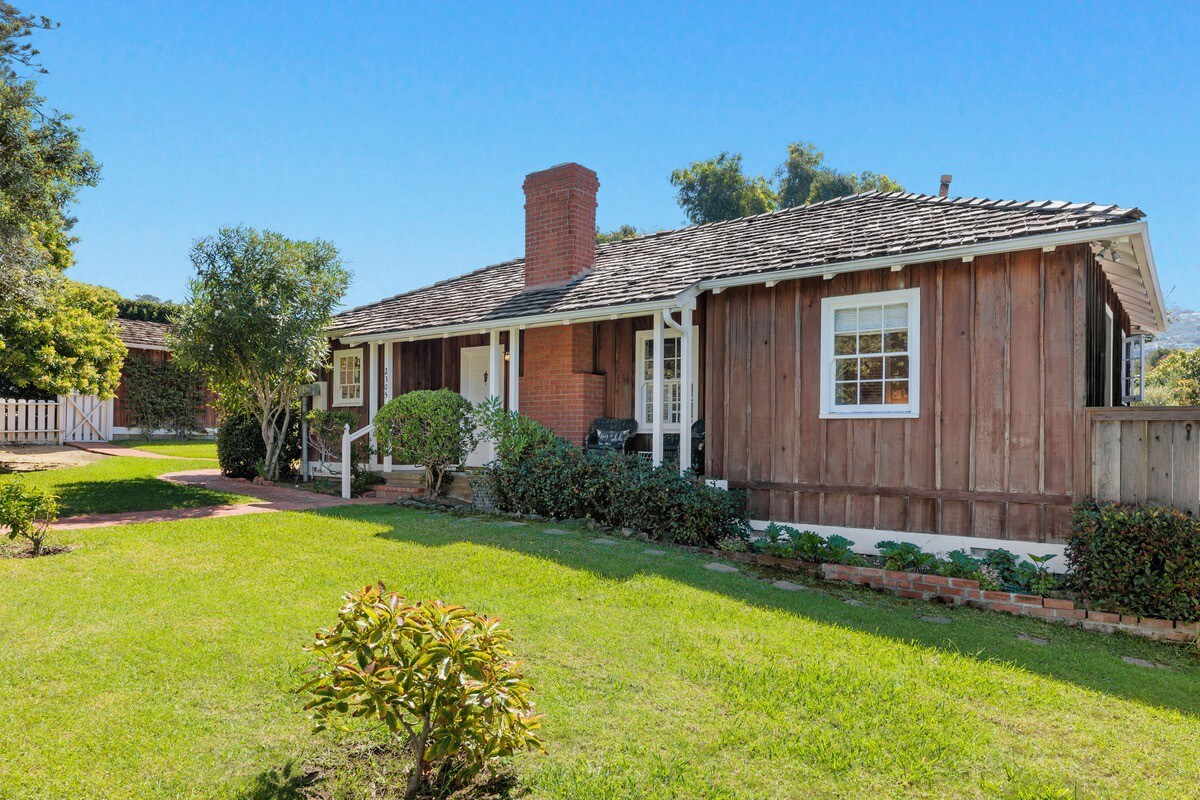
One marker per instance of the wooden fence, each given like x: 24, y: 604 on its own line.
x: 29, y: 421
x: 1146, y: 455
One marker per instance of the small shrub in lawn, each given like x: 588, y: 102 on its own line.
x: 1136, y: 559
x: 437, y: 677
x: 27, y: 513
x: 240, y: 448
x: 435, y: 429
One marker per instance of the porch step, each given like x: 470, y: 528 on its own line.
x: 393, y: 492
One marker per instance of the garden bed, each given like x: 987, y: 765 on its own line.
x: 963, y: 591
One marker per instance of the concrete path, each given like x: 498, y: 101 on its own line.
x: 106, y: 449
x: 269, y: 498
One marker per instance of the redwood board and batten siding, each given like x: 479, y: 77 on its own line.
x: 997, y: 449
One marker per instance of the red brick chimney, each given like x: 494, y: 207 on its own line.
x: 560, y: 224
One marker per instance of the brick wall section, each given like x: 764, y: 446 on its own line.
x: 959, y: 591
x: 559, y: 388
x: 560, y: 224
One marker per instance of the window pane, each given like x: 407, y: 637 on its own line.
x: 846, y: 369
x: 895, y: 316
x: 845, y: 345
x: 897, y: 366
x: 870, y: 318
x: 897, y: 392
x: 895, y: 342
x: 871, y: 368
x: 846, y: 394
x: 870, y: 343
x: 845, y: 319
x: 870, y: 393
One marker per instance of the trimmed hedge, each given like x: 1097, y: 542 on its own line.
x: 566, y: 482
x: 1137, y: 559
x: 240, y: 448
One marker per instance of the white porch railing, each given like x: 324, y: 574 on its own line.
x: 30, y: 421
x: 347, y: 465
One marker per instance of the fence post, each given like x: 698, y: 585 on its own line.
x: 346, y: 462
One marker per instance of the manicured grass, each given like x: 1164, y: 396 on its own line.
x: 176, y: 448
x: 124, y: 484
x: 159, y: 661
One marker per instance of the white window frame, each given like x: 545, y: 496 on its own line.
x: 1133, y: 381
x: 911, y: 410
x: 338, y: 357
x: 640, y: 363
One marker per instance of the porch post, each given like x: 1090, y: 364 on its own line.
x: 387, y: 391
x: 373, y: 401
x: 495, y: 363
x: 656, y: 403
x: 685, y: 389
x: 514, y: 369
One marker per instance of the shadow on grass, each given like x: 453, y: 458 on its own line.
x: 132, y: 494
x: 288, y: 782
x: 1087, y: 659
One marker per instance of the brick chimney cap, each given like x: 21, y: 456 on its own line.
x: 561, y: 170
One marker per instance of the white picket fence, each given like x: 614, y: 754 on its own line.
x: 30, y: 421
x: 70, y: 418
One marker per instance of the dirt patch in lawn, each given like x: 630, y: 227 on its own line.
x: 34, y: 457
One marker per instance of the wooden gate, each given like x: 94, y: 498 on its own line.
x: 29, y: 421
x: 85, y: 418
x: 1146, y: 455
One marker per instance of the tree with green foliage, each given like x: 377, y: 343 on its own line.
x: 254, y: 324
x: 1174, y: 380
x: 56, y: 335
x: 147, y: 308
x: 718, y: 189
x: 617, y: 234
x: 804, y: 178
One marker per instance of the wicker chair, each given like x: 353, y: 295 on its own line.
x: 611, y: 435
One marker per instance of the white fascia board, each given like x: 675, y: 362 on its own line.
x: 533, y: 321
x: 1141, y: 246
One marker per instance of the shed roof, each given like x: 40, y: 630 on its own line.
x: 139, y: 334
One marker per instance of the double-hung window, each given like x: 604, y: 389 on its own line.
x: 672, y: 378
x: 870, y: 355
x: 348, y: 377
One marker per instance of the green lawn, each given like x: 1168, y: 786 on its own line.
x: 124, y: 484
x: 159, y: 661
x: 176, y: 448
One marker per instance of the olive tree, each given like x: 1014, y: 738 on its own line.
x: 438, y: 677
x: 254, y: 324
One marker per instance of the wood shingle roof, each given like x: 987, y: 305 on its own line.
x: 662, y: 265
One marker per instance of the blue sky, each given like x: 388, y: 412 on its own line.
x: 402, y: 133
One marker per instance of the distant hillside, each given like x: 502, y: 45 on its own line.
x: 1184, y: 331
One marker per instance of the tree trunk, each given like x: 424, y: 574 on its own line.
x: 418, y: 770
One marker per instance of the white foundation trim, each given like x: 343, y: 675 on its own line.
x: 866, y: 539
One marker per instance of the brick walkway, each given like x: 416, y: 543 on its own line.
x: 106, y: 449
x: 269, y: 498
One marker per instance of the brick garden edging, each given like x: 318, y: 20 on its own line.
x: 961, y: 591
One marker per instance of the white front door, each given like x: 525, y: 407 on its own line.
x: 473, y: 385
